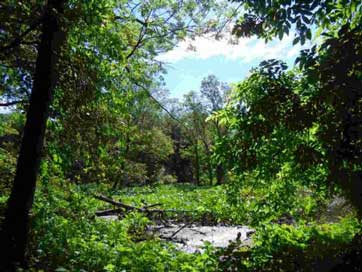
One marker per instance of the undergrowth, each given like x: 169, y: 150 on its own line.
x: 67, y: 236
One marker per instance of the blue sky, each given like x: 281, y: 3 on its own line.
x: 229, y: 62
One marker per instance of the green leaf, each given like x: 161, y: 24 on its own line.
x: 309, y: 34
x: 280, y: 34
x: 296, y: 40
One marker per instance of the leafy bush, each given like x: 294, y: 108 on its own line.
x: 303, y: 247
x: 66, y: 236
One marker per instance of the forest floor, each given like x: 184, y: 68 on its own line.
x: 68, y: 236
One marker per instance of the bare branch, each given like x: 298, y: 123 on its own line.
x: 139, y: 41
x: 155, y: 100
x: 11, y: 103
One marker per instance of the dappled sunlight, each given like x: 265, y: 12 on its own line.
x: 193, y: 135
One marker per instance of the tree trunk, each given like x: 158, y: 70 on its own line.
x: 197, y: 163
x: 209, y: 165
x: 16, y: 224
x: 209, y: 171
x: 219, y: 174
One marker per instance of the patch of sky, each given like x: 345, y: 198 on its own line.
x: 230, y: 62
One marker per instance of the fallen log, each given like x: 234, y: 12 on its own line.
x: 109, y: 212
x: 122, y: 207
x: 115, y: 203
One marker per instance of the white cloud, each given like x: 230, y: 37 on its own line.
x: 246, y: 50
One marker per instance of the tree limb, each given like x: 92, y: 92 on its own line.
x: 115, y: 203
x: 18, y: 40
x: 11, y: 103
x: 124, y: 207
x: 154, y: 99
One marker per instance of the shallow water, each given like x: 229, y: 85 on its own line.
x: 191, y: 238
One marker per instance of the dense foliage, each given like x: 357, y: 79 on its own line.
x: 279, y: 151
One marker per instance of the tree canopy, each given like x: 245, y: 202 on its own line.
x: 86, y: 117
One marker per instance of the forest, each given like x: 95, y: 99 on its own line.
x: 102, y: 168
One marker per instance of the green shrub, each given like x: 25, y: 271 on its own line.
x: 66, y: 236
x: 302, y: 247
